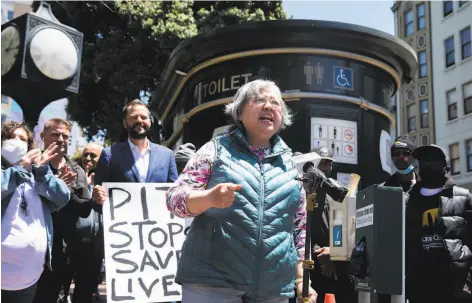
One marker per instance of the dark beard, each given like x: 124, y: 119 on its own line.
x: 134, y: 134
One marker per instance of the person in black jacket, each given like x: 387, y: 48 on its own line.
x: 438, y: 239
x: 64, y: 221
x: 402, y: 157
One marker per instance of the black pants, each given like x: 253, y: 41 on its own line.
x: 86, y: 262
x: 68, y: 273
x: 19, y: 296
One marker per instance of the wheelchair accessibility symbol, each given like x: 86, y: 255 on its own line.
x: 343, y: 78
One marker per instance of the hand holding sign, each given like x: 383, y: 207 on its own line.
x: 222, y: 195
x: 99, y: 194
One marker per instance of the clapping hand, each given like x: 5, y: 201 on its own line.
x: 67, y: 175
x: 30, y: 158
x: 90, y: 176
x: 47, y: 155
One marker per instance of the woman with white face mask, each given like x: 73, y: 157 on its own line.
x: 30, y: 193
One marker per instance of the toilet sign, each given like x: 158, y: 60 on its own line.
x: 343, y: 78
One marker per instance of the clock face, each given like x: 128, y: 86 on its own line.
x: 10, y: 48
x: 54, y: 54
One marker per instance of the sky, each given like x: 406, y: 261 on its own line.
x: 374, y: 14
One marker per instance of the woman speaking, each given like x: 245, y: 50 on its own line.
x: 247, y: 240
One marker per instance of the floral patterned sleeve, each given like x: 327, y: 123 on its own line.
x: 194, y: 177
x: 299, y: 227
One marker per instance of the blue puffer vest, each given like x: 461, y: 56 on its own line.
x: 248, y: 246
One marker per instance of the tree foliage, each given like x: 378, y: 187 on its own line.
x: 127, y: 44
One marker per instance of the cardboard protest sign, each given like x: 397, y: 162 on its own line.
x: 143, y: 243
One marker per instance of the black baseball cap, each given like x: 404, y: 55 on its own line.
x: 432, y: 149
x: 403, y: 142
x: 324, y: 152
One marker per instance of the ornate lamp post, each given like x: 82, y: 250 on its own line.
x: 40, y: 61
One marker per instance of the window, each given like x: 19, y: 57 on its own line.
x: 424, y: 113
x: 409, y: 23
x: 448, y: 8
x: 411, y: 118
x: 455, y: 159
x: 468, y: 152
x: 467, y: 93
x: 10, y: 15
x: 466, y: 47
x: 451, y: 97
x: 420, y: 16
x: 4, y: 99
x: 449, y: 47
x: 423, y: 70
x: 461, y: 3
x: 424, y: 140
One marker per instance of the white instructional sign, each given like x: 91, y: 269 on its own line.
x: 143, y: 243
x: 384, y: 147
x: 365, y: 216
x: 339, y: 135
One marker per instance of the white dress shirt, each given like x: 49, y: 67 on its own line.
x: 141, y: 159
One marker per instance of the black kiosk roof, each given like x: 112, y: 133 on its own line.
x: 197, y: 53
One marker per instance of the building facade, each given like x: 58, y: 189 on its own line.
x: 452, y: 83
x: 414, y: 102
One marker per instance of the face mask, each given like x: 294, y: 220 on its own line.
x: 432, y: 178
x: 13, y: 150
x: 406, y: 171
x: 137, y: 135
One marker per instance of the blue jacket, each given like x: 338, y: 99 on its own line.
x: 248, y: 246
x: 53, y: 193
x: 117, y: 164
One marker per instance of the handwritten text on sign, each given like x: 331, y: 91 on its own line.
x: 143, y: 243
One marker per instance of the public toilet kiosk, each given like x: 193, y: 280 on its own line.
x: 337, y: 78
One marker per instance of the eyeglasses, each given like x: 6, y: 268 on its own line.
x: 264, y: 100
x: 92, y: 155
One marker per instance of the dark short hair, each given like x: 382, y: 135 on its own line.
x: 9, y: 127
x: 134, y: 102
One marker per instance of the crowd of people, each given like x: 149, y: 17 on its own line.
x: 247, y: 239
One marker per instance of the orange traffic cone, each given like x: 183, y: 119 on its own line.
x: 329, y: 298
